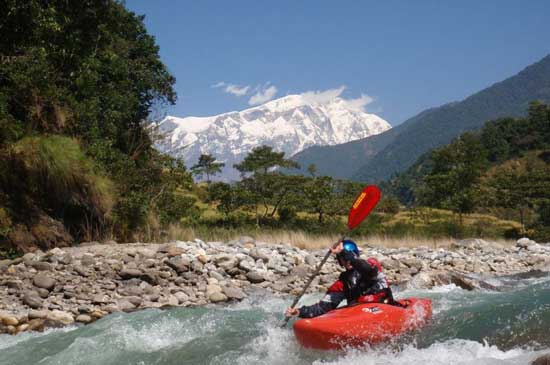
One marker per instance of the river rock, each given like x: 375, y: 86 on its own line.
x: 135, y: 300
x: 233, y: 292
x: 43, y: 293
x: 41, y: 265
x: 181, y: 296
x: 179, y: 264
x: 80, y: 270
x: 172, y: 300
x: 128, y: 273
x: 421, y: 281
x: 542, y: 360
x: 390, y: 264
x: 310, y: 260
x: 247, y: 265
x: 524, y: 242
x: 255, y: 277
x: 174, y: 251
x: 36, y: 324
x: 87, y: 259
x: 226, y: 261
x: 300, y: 271
x: 259, y: 254
x: 217, y: 297
x: 84, y: 318
x: 33, y: 314
x: 65, y: 259
x: 32, y: 299
x: 41, y: 280
x: 61, y: 316
x: 9, y: 320
x: 125, y: 305
x: 413, y: 263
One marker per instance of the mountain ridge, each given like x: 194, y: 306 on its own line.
x: 288, y: 124
x: 378, y: 157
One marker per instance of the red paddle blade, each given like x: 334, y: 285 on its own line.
x: 363, y: 204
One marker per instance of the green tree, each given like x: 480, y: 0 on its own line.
x: 208, y: 166
x: 388, y: 204
x: 312, y: 170
x: 227, y: 197
x: 263, y: 159
x: 453, y: 180
x: 264, y: 186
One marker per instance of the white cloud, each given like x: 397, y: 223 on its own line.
x: 237, y: 90
x: 232, y: 89
x: 263, y: 95
x: 320, y: 97
x: 360, y: 103
x: 219, y: 84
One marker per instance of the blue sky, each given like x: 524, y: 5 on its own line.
x: 405, y: 55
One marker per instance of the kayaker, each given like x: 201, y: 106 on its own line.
x: 362, y: 282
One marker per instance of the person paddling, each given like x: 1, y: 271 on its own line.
x: 362, y: 282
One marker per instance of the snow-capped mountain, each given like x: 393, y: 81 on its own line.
x: 289, y: 124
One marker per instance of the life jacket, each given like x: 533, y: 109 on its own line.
x: 365, y: 289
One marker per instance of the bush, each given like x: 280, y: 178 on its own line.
x: 5, y: 223
x: 388, y: 204
x: 55, y: 174
x: 287, y: 215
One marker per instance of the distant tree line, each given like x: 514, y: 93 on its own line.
x: 272, y: 195
x: 503, y: 167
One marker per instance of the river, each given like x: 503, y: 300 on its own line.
x: 481, y: 327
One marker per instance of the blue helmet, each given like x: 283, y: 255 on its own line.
x: 350, y: 246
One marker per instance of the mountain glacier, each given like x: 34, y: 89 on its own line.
x: 289, y: 124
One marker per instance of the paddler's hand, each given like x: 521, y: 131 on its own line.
x: 336, y: 250
x: 292, y: 312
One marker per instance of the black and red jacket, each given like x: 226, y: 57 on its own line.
x: 365, y: 283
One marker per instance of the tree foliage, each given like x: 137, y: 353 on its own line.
x: 208, y: 166
x: 505, y: 165
x: 90, y: 72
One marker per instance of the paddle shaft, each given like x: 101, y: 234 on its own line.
x: 315, y: 273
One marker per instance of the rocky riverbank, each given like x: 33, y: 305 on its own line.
x: 82, y: 284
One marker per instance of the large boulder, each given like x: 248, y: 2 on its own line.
x: 41, y: 280
x: 179, y: 264
x: 60, y: 316
x: 226, y: 261
x: 247, y: 265
x: 84, y: 318
x: 525, y: 243
x: 233, y: 292
x: 87, y: 259
x: 421, y: 281
x: 310, y: 260
x: 259, y: 254
x: 32, y: 299
x: 217, y: 297
x: 255, y: 277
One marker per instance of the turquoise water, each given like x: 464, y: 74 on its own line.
x: 508, y: 327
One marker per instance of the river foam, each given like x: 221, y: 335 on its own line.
x: 468, y: 328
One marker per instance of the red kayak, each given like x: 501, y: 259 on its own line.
x: 362, y: 324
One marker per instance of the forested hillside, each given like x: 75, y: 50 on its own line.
x: 78, y: 81
x: 503, y: 169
